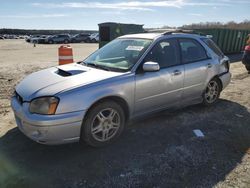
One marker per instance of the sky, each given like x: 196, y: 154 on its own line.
x: 86, y: 14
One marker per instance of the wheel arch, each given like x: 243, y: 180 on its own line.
x: 220, y: 82
x: 217, y: 77
x: 119, y: 100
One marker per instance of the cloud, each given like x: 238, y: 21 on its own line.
x: 113, y: 13
x: 139, y: 5
x: 195, y: 14
x: 32, y: 16
x: 235, y: 2
x: 131, y: 5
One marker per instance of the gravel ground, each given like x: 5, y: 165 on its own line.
x: 157, y: 151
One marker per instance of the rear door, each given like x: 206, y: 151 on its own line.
x: 196, y: 65
x: 156, y: 90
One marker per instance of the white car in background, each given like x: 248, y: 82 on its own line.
x: 93, y: 38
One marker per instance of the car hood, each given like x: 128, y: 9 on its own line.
x: 50, y: 81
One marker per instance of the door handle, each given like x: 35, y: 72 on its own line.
x: 176, y: 72
x: 209, y: 65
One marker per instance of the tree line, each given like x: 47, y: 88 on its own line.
x: 244, y: 25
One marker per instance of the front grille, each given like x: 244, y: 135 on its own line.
x: 19, y: 98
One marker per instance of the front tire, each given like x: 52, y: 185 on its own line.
x: 212, y: 92
x: 103, y: 124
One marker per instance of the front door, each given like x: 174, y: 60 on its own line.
x: 163, y: 88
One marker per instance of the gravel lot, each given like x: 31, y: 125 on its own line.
x: 157, y: 151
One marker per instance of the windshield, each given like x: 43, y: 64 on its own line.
x: 120, y: 54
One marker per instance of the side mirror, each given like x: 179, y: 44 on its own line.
x: 151, y: 66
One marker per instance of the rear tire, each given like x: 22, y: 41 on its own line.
x: 212, y: 92
x: 103, y: 124
x: 51, y: 42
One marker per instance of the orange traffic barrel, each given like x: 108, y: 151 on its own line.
x: 65, y: 54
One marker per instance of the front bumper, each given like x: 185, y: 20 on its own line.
x: 225, y: 79
x: 48, y: 129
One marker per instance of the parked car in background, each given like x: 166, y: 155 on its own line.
x: 62, y: 38
x: 39, y: 40
x: 79, y: 37
x: 1, y: 38
x: 132, y: 76
x: 22, y: 37
x: 29, y: 38
x: 93, y: 38
x: 246, y: 55
x: 11, y: 36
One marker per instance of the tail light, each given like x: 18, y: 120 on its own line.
x: 225, y: 66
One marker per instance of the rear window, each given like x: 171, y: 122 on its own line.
x: 213, y: 46
x: 191, y: 51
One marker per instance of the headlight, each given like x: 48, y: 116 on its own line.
x: 44, y: 105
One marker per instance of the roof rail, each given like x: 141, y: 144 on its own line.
x: 158, y: 30
x: 180, y: 31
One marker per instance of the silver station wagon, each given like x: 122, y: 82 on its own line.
x: 132, y: 76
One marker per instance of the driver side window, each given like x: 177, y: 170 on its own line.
x: 165, y: 53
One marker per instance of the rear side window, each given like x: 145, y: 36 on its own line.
x: 213, y: 46
x: 191, y: 51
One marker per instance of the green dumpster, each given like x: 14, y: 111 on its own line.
x: 229, y: 40
x: 110, y: 30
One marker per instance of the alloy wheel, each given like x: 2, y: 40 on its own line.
x: 212, y: 92
x: 105, y: 124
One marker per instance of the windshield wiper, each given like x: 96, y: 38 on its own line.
x: 97, y: 66
x: 82, y: 63
x: 101, y: 67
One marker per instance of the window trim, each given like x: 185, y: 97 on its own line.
x: 162, y: 68
x: 214, y: 45
x: 180, y: 51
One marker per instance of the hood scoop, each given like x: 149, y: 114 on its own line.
x: 67, y: 73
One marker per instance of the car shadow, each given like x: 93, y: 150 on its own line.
x: 156, y: 151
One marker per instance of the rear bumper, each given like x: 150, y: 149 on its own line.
x: 48, y: 129
x: 225, y: 79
